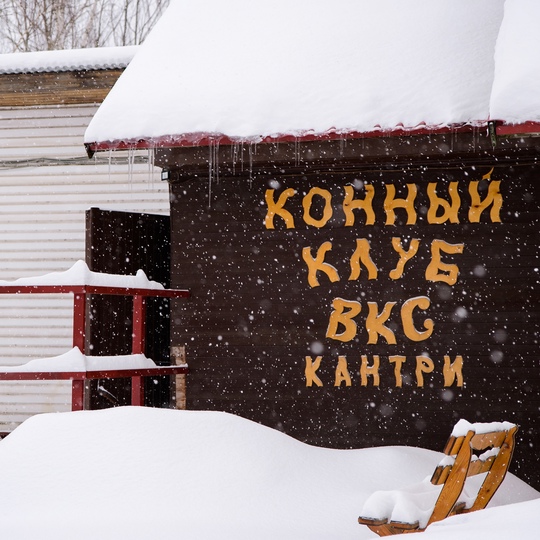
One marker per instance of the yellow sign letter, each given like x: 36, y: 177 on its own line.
x: 276, y: 208
x: 439, y: 271
x: 317, y: 264
x: 338, y: 316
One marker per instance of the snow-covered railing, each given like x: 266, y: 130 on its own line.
x: 76, y: 367
x: 81, y: 282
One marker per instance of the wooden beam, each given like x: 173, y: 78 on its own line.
x: 56, y: 88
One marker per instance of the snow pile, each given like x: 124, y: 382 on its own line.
x: 251, y: 70
x: 79, y: 275
x: 142, y: 473
x: 463, y: 427
x: 67, y: 60
x: 409, y: 505
x: 74, y: 360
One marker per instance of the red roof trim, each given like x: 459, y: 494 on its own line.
x: 525, y: 128
x: 209, y: 139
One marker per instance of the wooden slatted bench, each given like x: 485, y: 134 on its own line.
x: 494, y: 444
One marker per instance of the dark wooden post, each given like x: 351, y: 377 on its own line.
x: 178, y: 357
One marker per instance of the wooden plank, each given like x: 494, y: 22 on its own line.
x: 480, y: 466
x: 487, y: 440
x: 56, y: 88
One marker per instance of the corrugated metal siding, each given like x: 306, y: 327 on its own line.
x: 46, y: 185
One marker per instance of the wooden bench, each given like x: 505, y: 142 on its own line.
x: 494, y: 446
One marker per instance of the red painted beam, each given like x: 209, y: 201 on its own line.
x: 93, y: 289
x: 137, y: 391
x: 79, y: 320
x: 77, y: 395
x: 139, y: 325
x: 526, y: 128
x: 97, y: 374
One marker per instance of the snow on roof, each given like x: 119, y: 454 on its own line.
x: 249, y: 70
x: 252, y: 71
x: 515, y: 97
x: 67, y: 60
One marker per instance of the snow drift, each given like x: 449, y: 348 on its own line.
x: 140, y: 473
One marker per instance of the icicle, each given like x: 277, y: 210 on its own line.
x: 234, y: 156
x: 216, y: 161
x: 341, y: 146
x: 150, y: 162
x: 131, y: 158
x: 296, y: 152
x: 250, y: 164
x: 110, y: 160
x: 210, y: 172
x: 242, y: 157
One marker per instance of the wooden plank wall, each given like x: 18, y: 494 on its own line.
x: 56, y: 88
x: 46, y: 185
x: 122, y: 243
x: 256, y: 326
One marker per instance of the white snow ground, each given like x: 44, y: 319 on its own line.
x: 141, y: 473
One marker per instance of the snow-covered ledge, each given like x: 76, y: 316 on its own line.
x: 78, y: 368
x: 81, y: 282
x: 75, y: 361
x: 80, y: 275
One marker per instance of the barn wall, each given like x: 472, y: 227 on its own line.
x: 270, y: 341
x: 46, y: 185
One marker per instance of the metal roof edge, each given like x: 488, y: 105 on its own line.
x: 209, y: 139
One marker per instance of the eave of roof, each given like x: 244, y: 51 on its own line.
x: 501, y: 129
x: 99, y: 58
x: 209, y: 139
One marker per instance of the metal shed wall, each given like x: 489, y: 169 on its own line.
x: 46, y: 184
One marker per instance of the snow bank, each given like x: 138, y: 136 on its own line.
x: 253, y: 69
x: 143, y: 473
x: 67, y: 60
x: 512, y: 521
x: 79, y: 274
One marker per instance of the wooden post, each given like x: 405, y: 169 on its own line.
x: 139, y: 326
x: 137, y: 391
x: 77, y: 395
x: 79, y: 320
x: 79, y: 332
x: 178, y: 357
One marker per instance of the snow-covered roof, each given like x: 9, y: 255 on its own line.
x: 67, y: 60
x: 252, y: 71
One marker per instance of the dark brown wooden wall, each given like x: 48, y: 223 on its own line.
x: 122, y: 243
x: 253, y: 317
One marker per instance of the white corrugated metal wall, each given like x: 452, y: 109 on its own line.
x: 46, y: 185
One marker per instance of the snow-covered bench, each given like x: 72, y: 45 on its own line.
x: 414, y: 508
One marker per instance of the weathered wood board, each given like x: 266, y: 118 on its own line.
x: 372, y: 306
